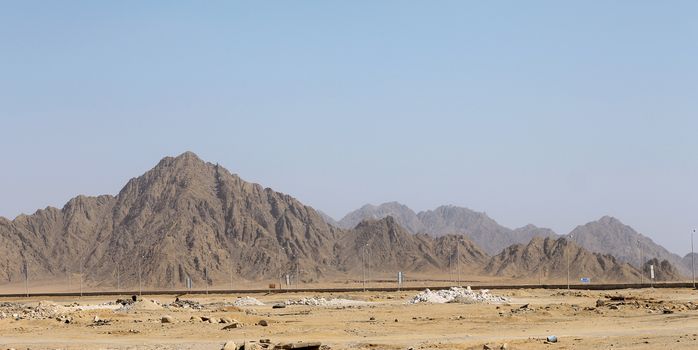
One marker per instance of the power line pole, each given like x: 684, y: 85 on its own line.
x: 642, y: 264
x: 363, y: 267
x: 368, y: 265
x: 693, y: 269
x: 26, y: 277
x: 118, y: 278
x: 568, y: 262
x: 81, y: 277
x: 458, y: 258
x: 140, y: 272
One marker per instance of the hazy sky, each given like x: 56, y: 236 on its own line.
x: 554, y: 113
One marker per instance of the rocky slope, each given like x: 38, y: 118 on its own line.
x: 609, y: 235
x: 547, y: 259
x: 383, y: 245
x: 183, y: 218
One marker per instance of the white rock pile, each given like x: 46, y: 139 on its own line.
x: 247, y: 301
x: 312, y: 301
x: 457, y: 294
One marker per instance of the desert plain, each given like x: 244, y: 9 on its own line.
x: 649, y: 318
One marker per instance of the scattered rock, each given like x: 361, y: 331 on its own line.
x: 263, y: 323
x: 229, y: 345
x: 226, y: 320
x: 232, y: 326
x: 278, y: 306
x: 167, y: 319
x: 600, y: 303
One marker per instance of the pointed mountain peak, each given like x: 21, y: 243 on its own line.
x: 388, y: 222
x: 609, y: 220
x: 186, y: 158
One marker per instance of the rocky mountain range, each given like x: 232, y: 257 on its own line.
x: 548, y: 258
x: 189, y: 218
x: 448, y: 219
x: 607, y: 235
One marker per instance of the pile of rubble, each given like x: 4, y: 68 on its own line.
x: 43, y: 310
x: 650, y: 305
x: 185, y: 304
x: 140, y: 305
x: 267, y: 344
x: 457, y: 295
x: 326, y: 302
x: 247, y: 301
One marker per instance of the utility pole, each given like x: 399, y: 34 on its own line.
x: 450, y: 268
x: 81, y: 277
x: 118, y: 278
x: 568, y: 262
x: 67, y: 260
x: 458, y: 258
x: 281, y: 273
x: 26, y: 277
x: 368, y: 264
x: 693, y: 269
x: 642, y: 264
x: 363, y: 267
x: 140, y: 272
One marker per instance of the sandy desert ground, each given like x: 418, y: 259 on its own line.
x: 622, y: 319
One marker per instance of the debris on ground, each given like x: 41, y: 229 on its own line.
x: 141, y: 305
x: 185, y: 304
x: 457, y: 294
x: 247, y: 301
x: 335, y: 302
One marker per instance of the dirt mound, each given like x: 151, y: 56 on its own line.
x: 141, y: 305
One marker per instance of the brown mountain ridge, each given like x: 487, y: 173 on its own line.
x: 189, y: 218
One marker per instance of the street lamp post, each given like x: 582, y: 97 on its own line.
x: 363, y: 267
x: 26, y: 277
x: 458, y: 259
x: 81, y: 277
x: 693, y: 271
x: 642, y: 264
x: 118, y: 278
x: 140, y: 281
x: 568, y: 262
x: 368, y: 264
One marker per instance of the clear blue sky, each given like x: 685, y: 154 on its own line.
x: 554, y: 113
